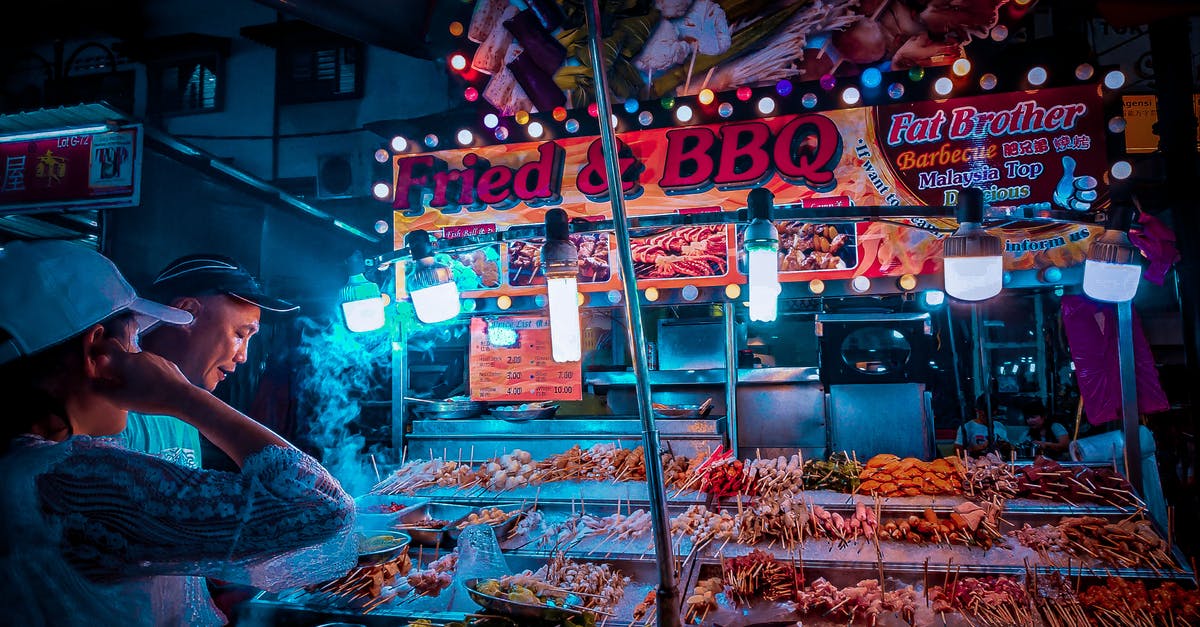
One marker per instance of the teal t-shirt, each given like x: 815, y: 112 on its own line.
x: 163, y: 436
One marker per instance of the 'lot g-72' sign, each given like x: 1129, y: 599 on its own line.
x: 72, y: 169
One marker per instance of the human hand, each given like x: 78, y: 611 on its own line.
x: 139, y: 381
x: 1076, y: 193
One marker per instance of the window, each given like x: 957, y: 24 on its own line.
x: 191, y: 86
x: 320, y: 73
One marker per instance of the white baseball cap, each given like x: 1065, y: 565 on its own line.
x: 53, y: 290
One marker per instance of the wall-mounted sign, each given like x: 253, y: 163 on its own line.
x: 510, y: 362
x: 90, y: 169
x: 1039, y: 150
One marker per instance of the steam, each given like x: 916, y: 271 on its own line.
x: 339, y: 370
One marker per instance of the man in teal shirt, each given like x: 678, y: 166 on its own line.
x: 226, y: 303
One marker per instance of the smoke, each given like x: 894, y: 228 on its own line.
x: 339, y: 370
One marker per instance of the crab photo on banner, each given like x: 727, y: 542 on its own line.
x: 536, y: 58
x: 1027, y: 151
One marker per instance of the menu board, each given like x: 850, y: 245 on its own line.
x: 510, y: 362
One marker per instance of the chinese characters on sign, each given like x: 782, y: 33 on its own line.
x: 80, y: 169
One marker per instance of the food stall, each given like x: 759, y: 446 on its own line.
x: 797, y: 475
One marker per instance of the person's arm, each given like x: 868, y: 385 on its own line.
x: 150, y: 384
x: 282, y: 521
x: 1060, y: 443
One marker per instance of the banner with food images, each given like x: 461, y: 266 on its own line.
x: 1032, y: 150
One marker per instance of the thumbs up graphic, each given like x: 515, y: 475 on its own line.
x: 1076, y: 193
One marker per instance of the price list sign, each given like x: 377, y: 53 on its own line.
x: 510, y: 361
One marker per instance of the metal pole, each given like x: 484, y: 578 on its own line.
x: 731, y: 376
x: 399, y: 388
x: 668, y: 593
x: 985, y: 372
x: 1129, y: 404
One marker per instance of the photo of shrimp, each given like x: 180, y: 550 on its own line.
x: 680, y: 252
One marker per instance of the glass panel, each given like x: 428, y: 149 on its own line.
x: 875, y: 350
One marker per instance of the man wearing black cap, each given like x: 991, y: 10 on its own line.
x: 226, y: 303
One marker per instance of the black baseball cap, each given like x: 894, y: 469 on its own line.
x: 200, y: 274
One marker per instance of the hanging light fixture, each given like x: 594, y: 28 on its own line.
x: 1112, y: 271
x: 362, y: 302
x: 560, y: 259
x: 762, y: 254
x: 972, y: 259
x: 430, y: 284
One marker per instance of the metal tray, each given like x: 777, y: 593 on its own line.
x: 521, y: 415
x: 514, y: 609
x: 382, y: 520
x: 410, y: 523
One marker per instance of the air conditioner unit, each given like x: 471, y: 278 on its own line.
x: 342, y: 175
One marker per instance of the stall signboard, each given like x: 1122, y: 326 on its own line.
x: 1040, y: 150
x: 510, y: 361
x: 86, y: 169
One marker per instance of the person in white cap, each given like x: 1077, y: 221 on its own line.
x: 89, y: 528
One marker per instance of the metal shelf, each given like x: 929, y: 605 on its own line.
x: 714, y: 376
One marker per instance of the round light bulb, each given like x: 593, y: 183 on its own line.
x: 766, y: 106
x: 683, y: 113
x: 851, y: 95
x: 399, y: 144
x: 381, y: 190
x: 943, y: 86
x: 535, y: 129
x: 491, y: 120
x: 706, y: 96
x: 1036, y: 75
x: 465, y: 137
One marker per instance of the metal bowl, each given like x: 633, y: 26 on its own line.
x: 519, y: 610
x: 679, y: 411
x: 447, y: 410
x: 410, y: 523
x: 521, y: 415
x: 372, y: 556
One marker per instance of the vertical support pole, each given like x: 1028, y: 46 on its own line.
x: 731, y: 376
x: 667, y: 608
x: 1043, y: 362
x: 983, y: 372
x: 399, y: 387
x: 1129, y: 404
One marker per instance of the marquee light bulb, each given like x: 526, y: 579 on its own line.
x: 465, y: 137
x: 399, y: 144
x: 1036, y: 76
x: 766, y: 105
